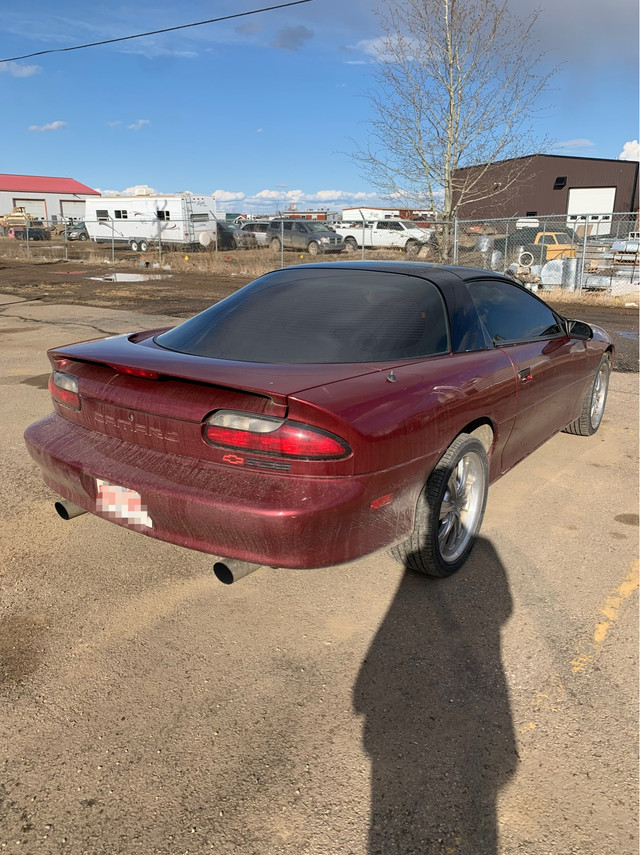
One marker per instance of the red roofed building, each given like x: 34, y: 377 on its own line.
x: 50, y: 199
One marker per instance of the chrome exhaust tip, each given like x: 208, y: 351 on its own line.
x: 229, y: 570
x: 67, y: 510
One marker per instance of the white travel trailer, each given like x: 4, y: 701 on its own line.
x: 181, y: 220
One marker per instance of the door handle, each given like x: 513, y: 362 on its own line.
x: 525, y: 375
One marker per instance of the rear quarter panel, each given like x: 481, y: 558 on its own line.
x: 416, y: 417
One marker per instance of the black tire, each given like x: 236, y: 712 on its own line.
x: 274, y: 243
x: 143, y: 245
x: 442, y: 540
x: 351, y: 244
x: 82, y: 237
x: 593, y: 403
x: 313, y: 248
x: 134, y: 245
x: 412, y: 247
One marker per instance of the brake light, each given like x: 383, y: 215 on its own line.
x: 276, y: 437
x: 63, y: 388
x: 137, y: 372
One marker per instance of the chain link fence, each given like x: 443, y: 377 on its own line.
x: 577, y: 253
x: 585, y: 252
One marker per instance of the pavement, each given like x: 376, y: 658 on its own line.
x: 146, y: 708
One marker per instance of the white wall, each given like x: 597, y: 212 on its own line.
x: 52, y: 202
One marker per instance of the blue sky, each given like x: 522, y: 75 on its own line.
x: 262, y: 110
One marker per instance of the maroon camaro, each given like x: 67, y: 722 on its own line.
x: 321, y: 413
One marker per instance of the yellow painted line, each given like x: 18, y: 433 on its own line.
x: 552, y: 700
x: 588, y: 649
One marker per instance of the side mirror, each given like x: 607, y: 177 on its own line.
x: 579, y: 330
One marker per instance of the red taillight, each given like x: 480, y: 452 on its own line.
x: 63, y: 388
x: 137, y: 372
x: 276, y: 437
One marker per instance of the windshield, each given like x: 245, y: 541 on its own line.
x: 319, y: 316
x: 317, y: 227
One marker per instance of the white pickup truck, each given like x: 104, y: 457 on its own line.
x: 388, y: 234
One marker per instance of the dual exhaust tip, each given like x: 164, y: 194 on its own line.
x: 227, y: 570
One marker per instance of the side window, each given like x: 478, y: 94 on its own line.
x: 383, y: 225
x: 298, y: 227
x: 102, y: 215
x: 510, y: 313
x: 396, y: 227
x: 163, y: 215
x: 287, y: 227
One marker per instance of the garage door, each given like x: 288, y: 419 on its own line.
x: 72, y: 209
x: 35, y: 207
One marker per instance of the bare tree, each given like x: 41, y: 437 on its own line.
x: 457, y: 84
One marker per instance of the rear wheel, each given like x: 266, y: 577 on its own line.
x: 143, y: 246
x: 134, y: 245
x: 275, y: 244
x: 351, y: 244
x: 82, y: 237
x: 593, y: 403
x: 449, y: 511
x: 412, y: 247
x: 313, y: 248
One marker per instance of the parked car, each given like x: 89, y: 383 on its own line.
x: 259, y: 230
x: 309, y: 236
x: 231, y: 237
x: 385, y: 234
x: 29, y: 233
x: 78, y: 231
x: 321, y: 413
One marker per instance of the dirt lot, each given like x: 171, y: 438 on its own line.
x: 356, y: 710
x: 183, y: 292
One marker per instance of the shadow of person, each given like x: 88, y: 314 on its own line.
x: 437, y: 720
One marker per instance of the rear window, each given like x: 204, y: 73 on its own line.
x: 319, y: 316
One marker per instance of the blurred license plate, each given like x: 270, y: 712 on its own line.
x: 121, y: 503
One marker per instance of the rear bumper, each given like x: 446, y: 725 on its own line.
x: 264, y: 517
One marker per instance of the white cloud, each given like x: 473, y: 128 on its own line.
x: 137, y: 125
x: 114, y: 124
x: 268, y: 200
x: 259, y: 131
x: 136, y: 190
x: 52, y: 126
x: 139, y: 190
x: 151, y: 51
x: 375, y: 48
x: 226, y: 196
x: 630, y: 151
x: 573, y: 144
x: 17, y: 70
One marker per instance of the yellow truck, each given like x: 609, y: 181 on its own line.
x: 529, y: 246
x: 548, y: 245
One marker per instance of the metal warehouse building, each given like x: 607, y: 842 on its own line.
x: 551, y: 184
x: 45, y: 198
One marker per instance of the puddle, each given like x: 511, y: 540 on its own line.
x: 129, y: 277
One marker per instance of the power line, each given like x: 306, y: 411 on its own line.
x: 156, y: 32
